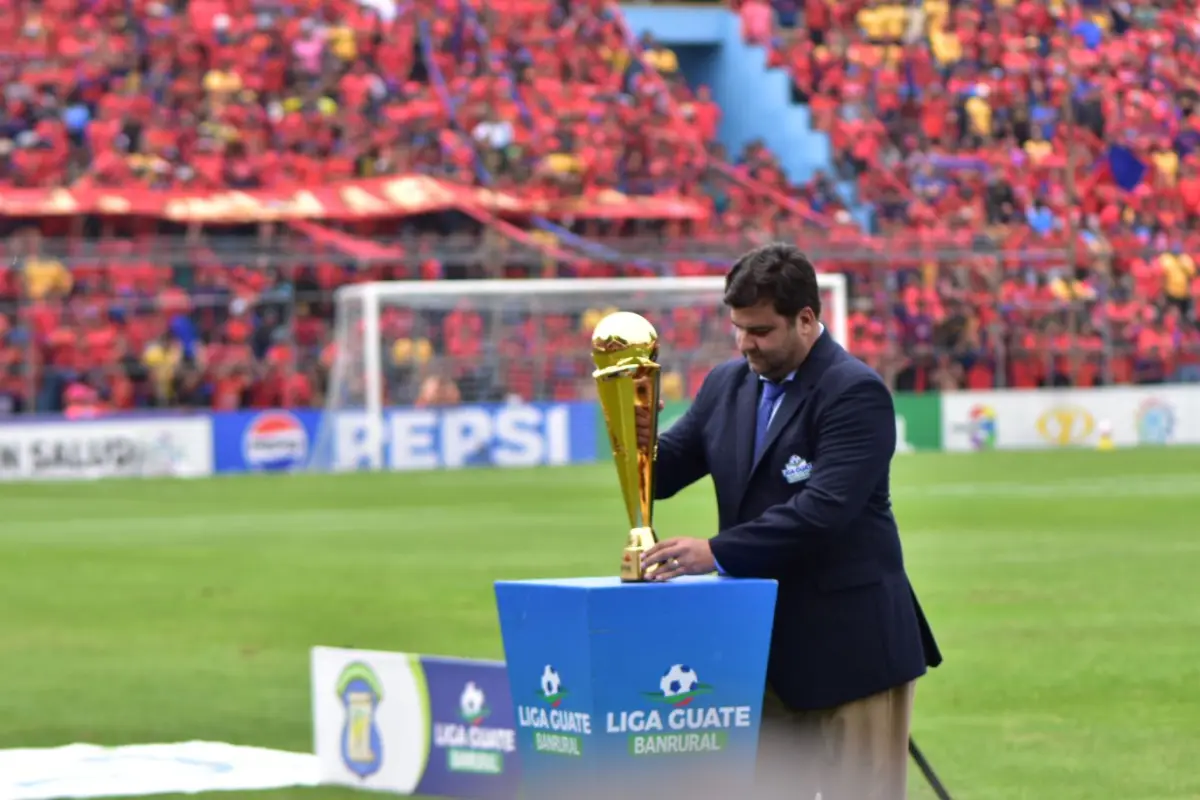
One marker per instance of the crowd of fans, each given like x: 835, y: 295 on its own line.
x: 1066, y: 127
x: 1032, y: 169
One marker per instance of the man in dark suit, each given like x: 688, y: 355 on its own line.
x: 798, y: 437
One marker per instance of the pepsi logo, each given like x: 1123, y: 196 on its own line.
x: 275, y: 440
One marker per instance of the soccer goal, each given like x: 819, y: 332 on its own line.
x: 477, y: 344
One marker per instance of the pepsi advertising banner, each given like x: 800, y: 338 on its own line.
x: 414, y: 724
x: 263, y: 441
x: 501, y: 435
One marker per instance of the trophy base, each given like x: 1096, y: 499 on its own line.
x: 640, y: 540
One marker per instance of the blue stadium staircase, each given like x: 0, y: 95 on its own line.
x: 755, y: 100
x: 758, y: 99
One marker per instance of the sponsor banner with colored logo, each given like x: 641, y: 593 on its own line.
x: 918, y: 422
x: 414, y: 724
x: 263, y: 441
x: 493, y: 435
x: 501, y: 435
x: 112, y: 447
x: 1124, y: 416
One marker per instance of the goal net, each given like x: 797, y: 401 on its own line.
x: 405, y: 349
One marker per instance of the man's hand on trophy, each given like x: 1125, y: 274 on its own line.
x: 645, y: 422
x: 681, y: 556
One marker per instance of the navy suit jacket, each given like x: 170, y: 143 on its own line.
x: 813, y: 513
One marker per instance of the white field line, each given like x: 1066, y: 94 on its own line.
x: 1162, y: 485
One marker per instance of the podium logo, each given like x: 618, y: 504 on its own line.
x: 679, y: 687
x: 685, y: 728
x: 472, y: 706
x: 556, y: 731
x: 360, y: 691
x: 553, y: 690
x: 469, y: 746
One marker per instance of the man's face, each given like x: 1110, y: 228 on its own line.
x: 772, y: 344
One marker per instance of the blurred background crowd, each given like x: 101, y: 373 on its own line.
x: 1012, y: 189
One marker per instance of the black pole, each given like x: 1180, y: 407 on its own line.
x: 927, y: 771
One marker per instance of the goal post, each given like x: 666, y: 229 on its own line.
x: 433, y: 343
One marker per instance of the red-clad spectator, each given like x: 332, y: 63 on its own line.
x: 757, y: 17
x: 82, y: 402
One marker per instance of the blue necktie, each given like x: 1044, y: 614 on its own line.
x: 770, y: 393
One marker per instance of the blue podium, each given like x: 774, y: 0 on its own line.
x: 633, y: 689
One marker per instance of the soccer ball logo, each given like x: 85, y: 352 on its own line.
x: 472, y: 705
x: 553, y: 690
x: 678, y: 680
x: 679, y: 686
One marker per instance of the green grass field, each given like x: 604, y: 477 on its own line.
x: 1063, y: 587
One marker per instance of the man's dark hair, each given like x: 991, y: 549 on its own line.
x: 780, y: 273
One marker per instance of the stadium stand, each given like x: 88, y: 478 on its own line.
x: 1016, y: 238
x: 1065, y: 128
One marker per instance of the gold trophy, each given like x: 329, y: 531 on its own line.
x: 624, y: 348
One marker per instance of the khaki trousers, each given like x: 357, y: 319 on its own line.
x: 858, y: 751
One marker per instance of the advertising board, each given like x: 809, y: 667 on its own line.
x: 263, y: 441
x: 502, y: 435
x: 918, y: 422
x: 413, y: 724
x: 452, y: 437
x: 128, y: 447
x: 1064, y: 418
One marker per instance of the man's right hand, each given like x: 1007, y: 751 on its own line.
x: 644, y: 423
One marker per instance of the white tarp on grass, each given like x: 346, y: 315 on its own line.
x: 84, y: 770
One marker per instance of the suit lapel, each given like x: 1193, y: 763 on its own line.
x: 745, y: 414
